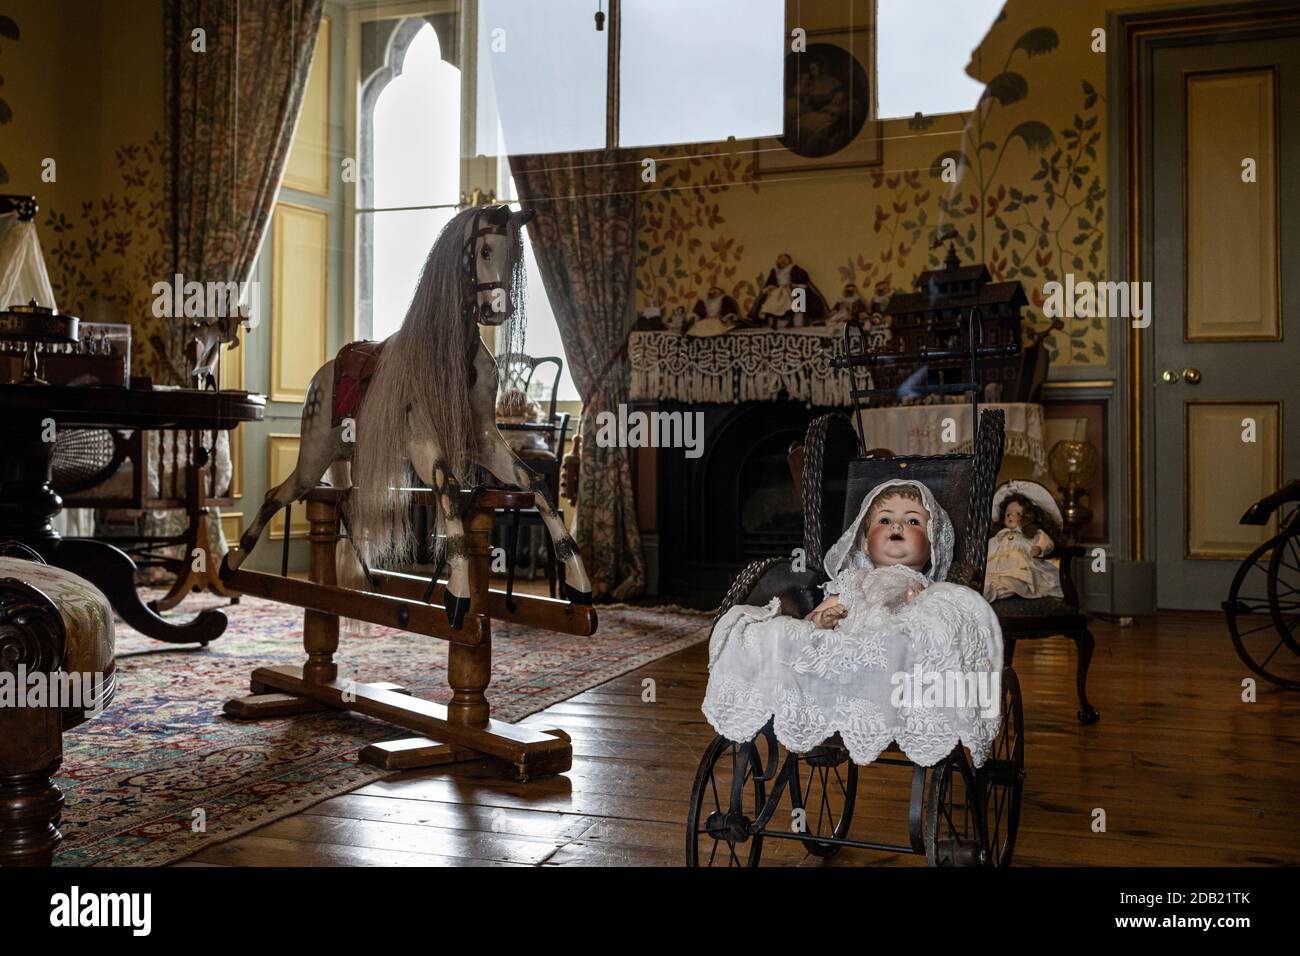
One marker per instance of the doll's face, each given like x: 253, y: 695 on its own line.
x: 1014, y: 516
x: 897, y: 533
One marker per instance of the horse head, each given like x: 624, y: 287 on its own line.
x: 494, y: 262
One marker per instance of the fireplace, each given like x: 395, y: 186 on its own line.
x: 734, y: 504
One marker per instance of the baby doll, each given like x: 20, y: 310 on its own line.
x: 890, y: 620
x: 1018, y: 550
x: 895, y: 535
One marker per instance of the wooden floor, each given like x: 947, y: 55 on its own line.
x: 1186, y: 773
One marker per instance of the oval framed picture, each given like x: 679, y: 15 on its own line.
x: 829, y: 107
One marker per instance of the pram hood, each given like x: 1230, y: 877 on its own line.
x: 847, y: 553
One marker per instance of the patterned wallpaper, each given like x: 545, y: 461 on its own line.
x: 105, y: 255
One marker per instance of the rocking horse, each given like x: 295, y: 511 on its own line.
x: 424, y: 400
x: 427, y: 396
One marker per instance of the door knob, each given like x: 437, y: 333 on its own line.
x: 1169, y: 376
x: 1191, y: 375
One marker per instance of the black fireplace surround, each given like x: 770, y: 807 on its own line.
x: 732, y: 505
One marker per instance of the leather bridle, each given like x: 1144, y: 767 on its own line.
x: 473, y: 287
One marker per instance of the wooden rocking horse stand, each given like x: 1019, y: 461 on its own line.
x: 462, y: 729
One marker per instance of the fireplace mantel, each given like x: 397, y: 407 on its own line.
x: 749, y: 365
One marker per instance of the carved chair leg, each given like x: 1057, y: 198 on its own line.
x: 1084, y: 642
x: 1008, y: 650
x: 30, y: 805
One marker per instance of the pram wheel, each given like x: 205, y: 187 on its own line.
x: 1003, y: 774
x: 827, y: 796
x: 726, y: 799
x: 954, y: 831
x: 1263, y: 610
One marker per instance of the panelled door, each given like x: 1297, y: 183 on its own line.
x: 1224, y: 255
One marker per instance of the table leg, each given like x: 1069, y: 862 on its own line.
x: 27, y: 505
x: 112, y: 571
x: 27, y: 502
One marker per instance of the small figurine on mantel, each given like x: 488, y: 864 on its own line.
x: 716, y: 313
x: 788, y: 296
x: 850, y: 308
x: 879, y: 334
x: 1026, y: 520
x: 677, y: 321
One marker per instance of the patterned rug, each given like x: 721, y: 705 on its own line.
x: 161, y: 774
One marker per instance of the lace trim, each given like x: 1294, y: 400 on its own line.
x: 734, y: 709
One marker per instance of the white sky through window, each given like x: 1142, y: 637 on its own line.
x: 416, y: 162
x: 693, y: 71
x: 922, y: 48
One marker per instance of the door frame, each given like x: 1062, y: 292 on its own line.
x: 1133, y: 38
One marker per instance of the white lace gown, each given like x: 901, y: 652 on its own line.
x: 872, y: 678
x: 1013, y: 571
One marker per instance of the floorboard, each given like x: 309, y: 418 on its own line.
x: 1186, y: 772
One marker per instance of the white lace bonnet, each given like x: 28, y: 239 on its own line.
x: 1031, y: 490
x: 846, y: 552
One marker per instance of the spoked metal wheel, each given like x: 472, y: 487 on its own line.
x: 726, y: 799
x: 825, y: 796
x: 1003, y: 774
x: 1284, y: 588
x: 954, y: 815
x: 1263, y: 609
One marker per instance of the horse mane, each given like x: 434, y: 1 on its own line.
x: 422, y: 386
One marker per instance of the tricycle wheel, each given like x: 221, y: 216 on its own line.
x: 726, y: 799
x: 1003, y: 774
x: 954, y: 815
x: 1262, y: 611
x: 826, y: 796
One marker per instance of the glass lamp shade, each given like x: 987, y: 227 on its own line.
x: 1073, y: 464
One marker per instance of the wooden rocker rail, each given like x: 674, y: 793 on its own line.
x: 463, y: 729
x: 533, y: 611
x: 406, y: 611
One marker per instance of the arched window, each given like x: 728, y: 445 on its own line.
x: 410, y: 169
x: 410, y: 183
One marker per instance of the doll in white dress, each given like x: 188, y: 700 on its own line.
x: 1022, y: 539
x: 889, y: 623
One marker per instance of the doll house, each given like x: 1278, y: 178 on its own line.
x: 935, y: 317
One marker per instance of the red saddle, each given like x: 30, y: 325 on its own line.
x: 354, y: 367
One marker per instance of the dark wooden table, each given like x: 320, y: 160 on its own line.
x: 29, y: 418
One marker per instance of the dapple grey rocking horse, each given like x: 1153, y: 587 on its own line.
x: 425, y: 398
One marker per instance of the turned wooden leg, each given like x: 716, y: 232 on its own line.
x: 1084, y: 642
x: 32, y: 641
x: 1008, y: 650
x: 30, y: 805
x: 469, y: 669
x: 320, y: 631
x: 198, y: 537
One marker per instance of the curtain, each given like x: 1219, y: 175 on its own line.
x: 582, y: 236
x: 230, y: 115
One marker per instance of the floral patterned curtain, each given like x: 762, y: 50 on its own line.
x: 585, y: 205
x: 230, y: 115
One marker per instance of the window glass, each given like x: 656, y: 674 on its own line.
x: 696, y: 72
x: 922, y: 49
x: 541, y: 77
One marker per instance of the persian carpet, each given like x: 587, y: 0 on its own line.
x: 161, y: 774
